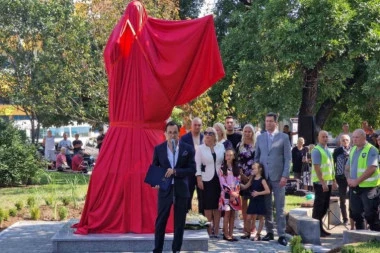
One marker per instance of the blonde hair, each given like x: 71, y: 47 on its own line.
x: 241, y: 146
x: 222, y: 129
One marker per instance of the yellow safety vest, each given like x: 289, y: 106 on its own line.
x: 374, y: 179
x: 326, y: 166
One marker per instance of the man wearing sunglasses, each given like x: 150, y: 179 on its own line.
x: 178, y: 159
x: 194, y: 138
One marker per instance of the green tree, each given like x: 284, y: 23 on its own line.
x: 55, y: 72
x: 190, y: 8
x: 323, y: 53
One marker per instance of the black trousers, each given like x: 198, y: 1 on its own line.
x: 342, y: 188
x: 321, y: 202
x: 361, y: 204
x: 180, y: 210
x: 193, y: 186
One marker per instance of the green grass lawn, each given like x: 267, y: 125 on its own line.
x: 362, y: 247
x: 292, y: 202
x: 57, y: 185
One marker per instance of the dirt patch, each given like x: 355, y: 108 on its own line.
x: 47, y: 214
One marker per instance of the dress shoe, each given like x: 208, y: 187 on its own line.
x: 234, y: 239
x: 324, y: 233
x: 268, y: 237
x: 282, y: 240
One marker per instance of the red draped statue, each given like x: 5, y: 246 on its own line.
x: 152, y: 66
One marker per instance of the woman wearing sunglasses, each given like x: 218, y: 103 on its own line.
x: 209, y: 158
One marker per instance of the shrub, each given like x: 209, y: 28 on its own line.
x: 31, y: 201
x: 1, y: 215
x: 19, y: 162
x: 348, y: 249
x: 6, y: 215
x: 66, y: 200
x: 35, y: 213
x: 19, y: 205
x: 12, y: 212
x: 49, y: 200
x: 62, y: 212
x: 296, y: 245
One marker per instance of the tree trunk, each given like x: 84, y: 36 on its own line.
x: 306, y: 123
x: 327, y: 106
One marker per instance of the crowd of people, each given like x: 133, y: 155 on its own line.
x: 246, y: 172
x: 67, y: 155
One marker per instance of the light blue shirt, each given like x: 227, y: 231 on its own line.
x: 173, y: 158
x: 65, y: 144
x: 372, y: 160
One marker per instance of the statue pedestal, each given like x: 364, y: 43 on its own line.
x: 66, y: 241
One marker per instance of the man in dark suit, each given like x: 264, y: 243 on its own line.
x: 194, y: 138
x: 273, y: 151
x: 178, y: 158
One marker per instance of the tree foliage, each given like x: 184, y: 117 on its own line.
x: 51, y: 55
x: 19, y: 163
x: 304, y: 57
x: 55, y: 72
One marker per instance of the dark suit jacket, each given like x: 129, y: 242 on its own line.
x: 185, y: 166
x: 188, y: 138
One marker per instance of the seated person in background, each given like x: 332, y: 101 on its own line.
x: 61, y: 163
x: 77, y: 162
x: 77, y: 144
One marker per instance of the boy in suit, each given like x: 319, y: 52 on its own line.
x: 178, y: 158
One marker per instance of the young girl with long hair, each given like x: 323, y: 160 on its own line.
x: 258, y: 187
x: 229, y: 199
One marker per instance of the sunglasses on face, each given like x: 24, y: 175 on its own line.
x: 209, y: 133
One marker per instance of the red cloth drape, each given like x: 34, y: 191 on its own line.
x: 166, y: 63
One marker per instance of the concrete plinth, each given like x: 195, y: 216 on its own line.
x: 302, y: 211
x: 66, y: 241
x: 352, y: 236
x: 306, y: 227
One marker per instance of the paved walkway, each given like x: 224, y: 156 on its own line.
x: 34, y: 236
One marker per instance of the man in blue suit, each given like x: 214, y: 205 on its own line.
x: 194, y: 138
x: 178, y: 159
x: 273, y: 151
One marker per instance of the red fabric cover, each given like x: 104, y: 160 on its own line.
x: 167, y: 63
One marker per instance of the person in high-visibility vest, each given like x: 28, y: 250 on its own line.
x: 363, y: 178
x: 323, y: 178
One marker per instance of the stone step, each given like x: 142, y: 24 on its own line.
x: 352, y: 236
x: 66, y: 241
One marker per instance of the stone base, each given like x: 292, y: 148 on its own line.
x: 66, y: 241
x: 352, y: 236
x: 306, y: 227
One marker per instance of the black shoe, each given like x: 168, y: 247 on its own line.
x: 234, y: 239
x: 282, y: 240
x: 268, y: 237
x: 246, y: 236
x: 325, y: 233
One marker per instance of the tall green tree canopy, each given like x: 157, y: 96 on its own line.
x: 304, y: 57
